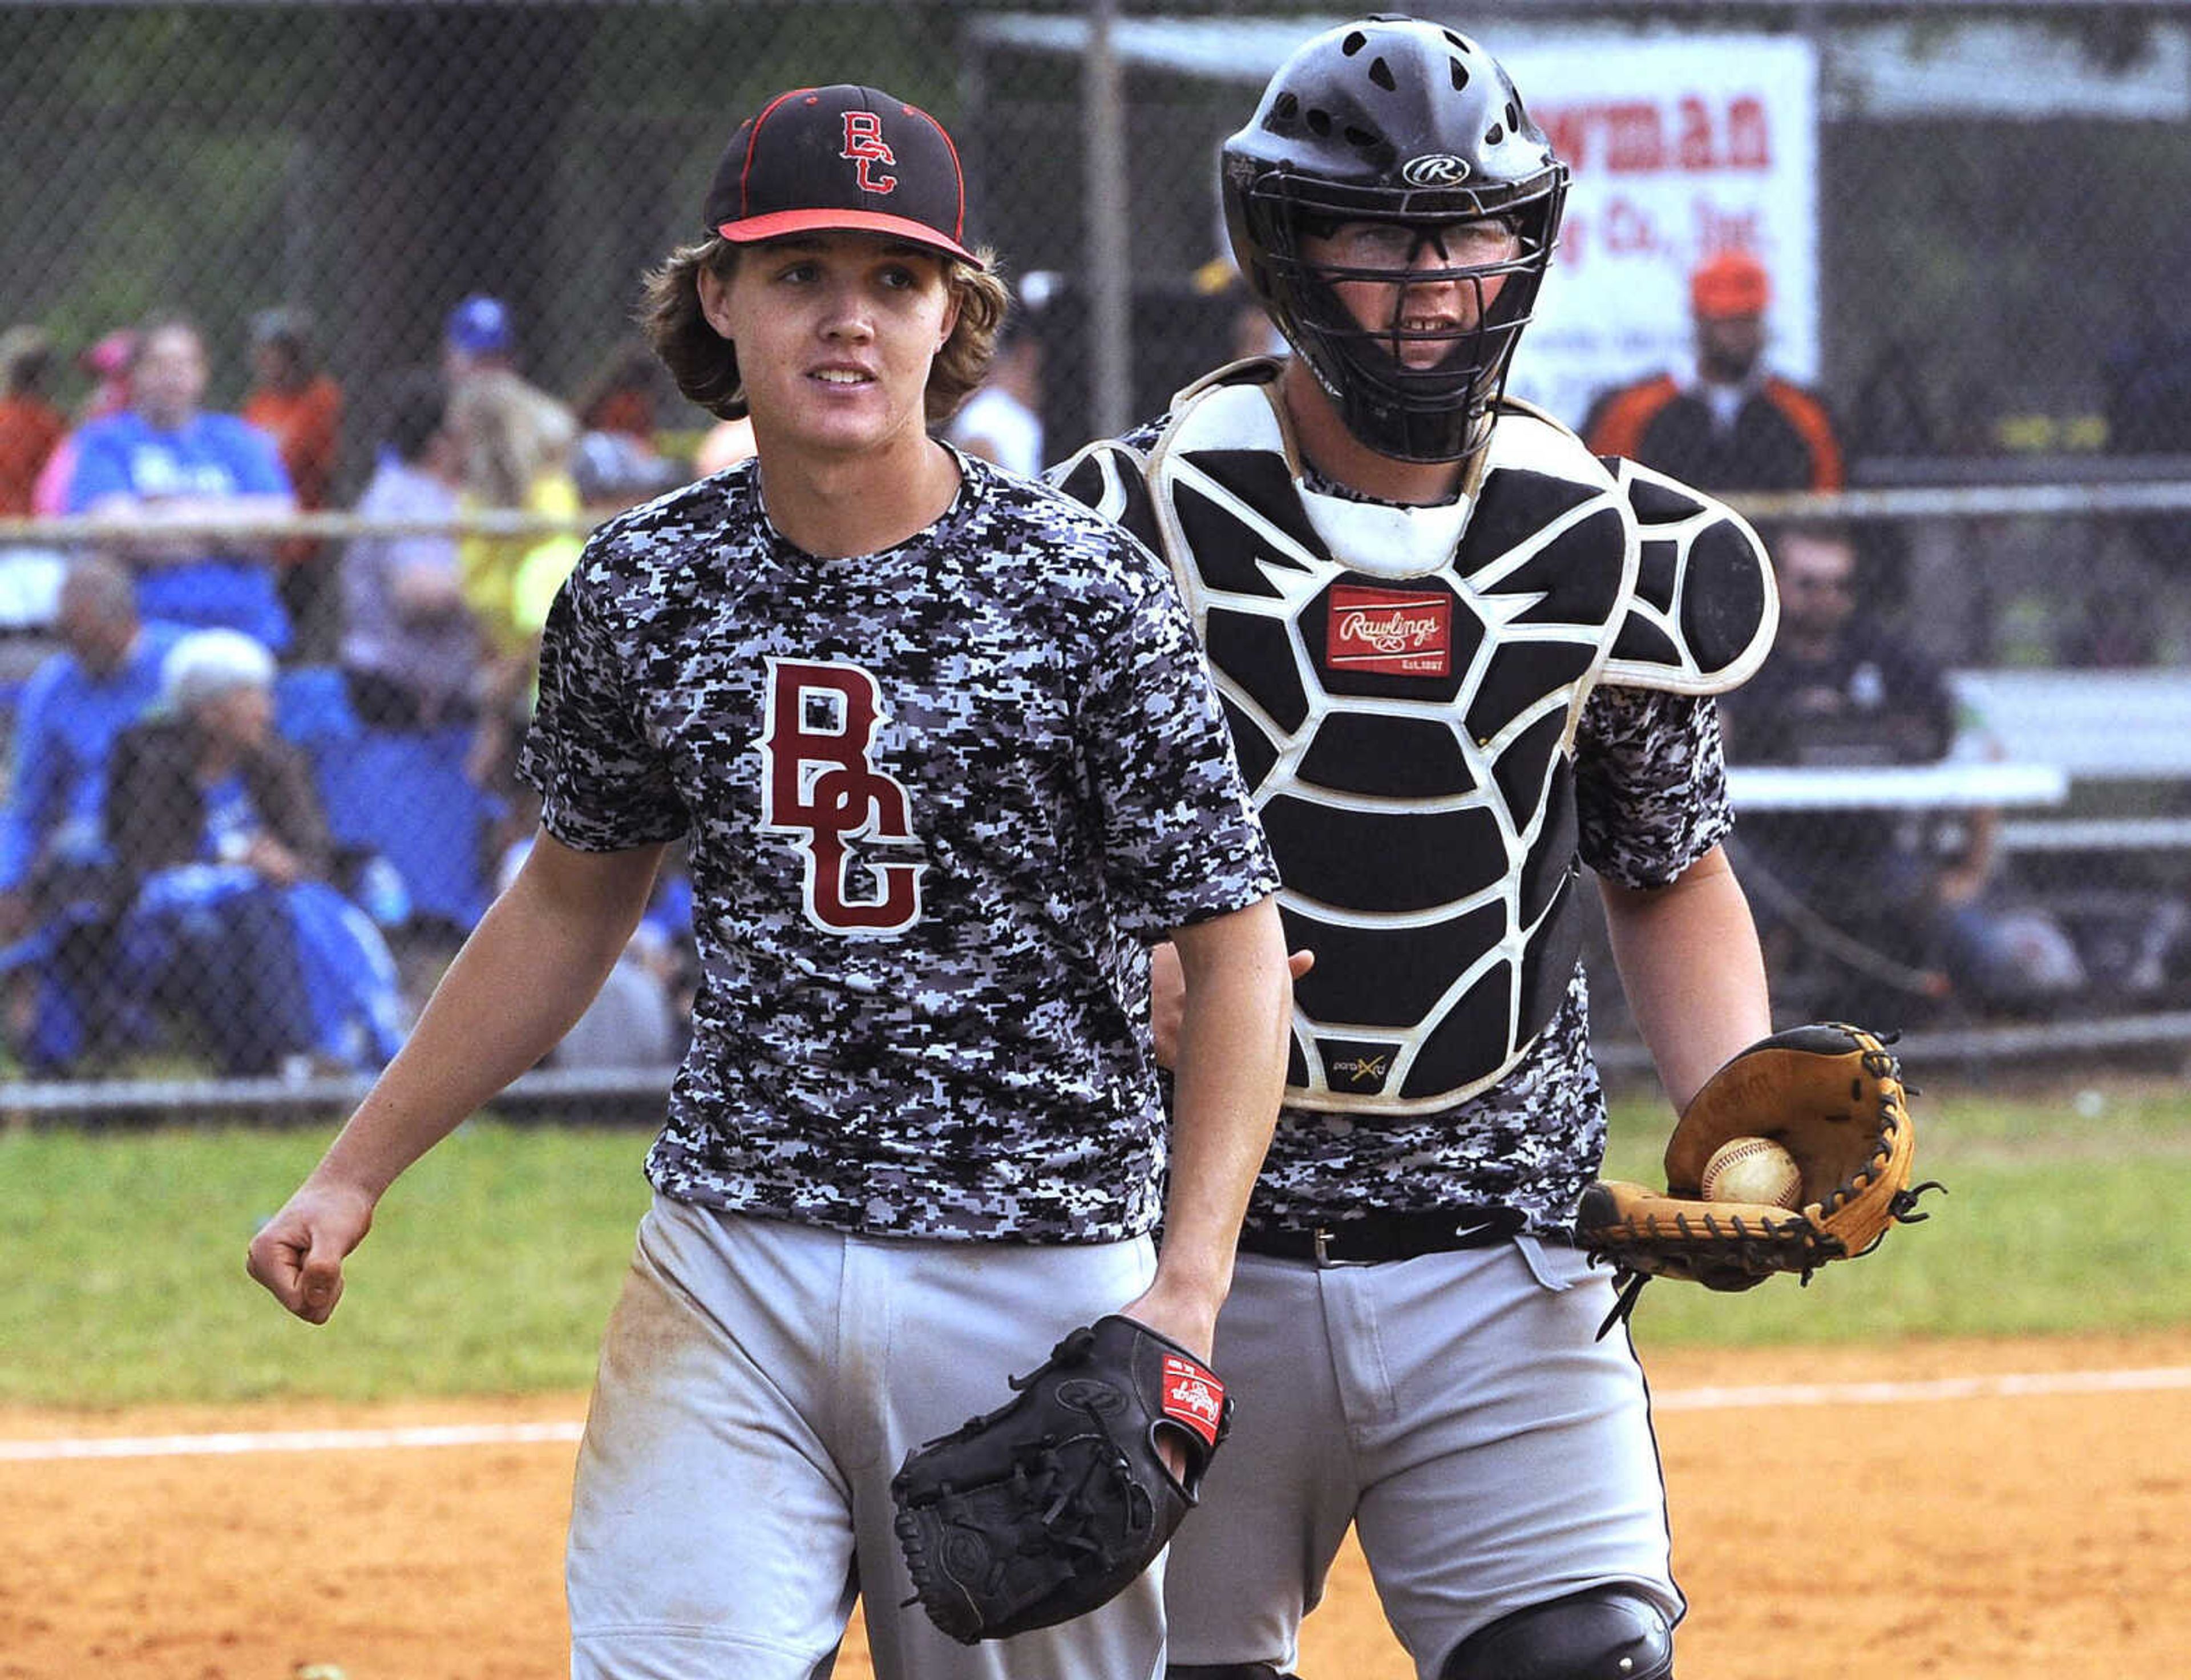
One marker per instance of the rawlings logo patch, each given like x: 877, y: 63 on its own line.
x: 1435, y: 168
x: 1193, y: 1396
x: 1403, y: 632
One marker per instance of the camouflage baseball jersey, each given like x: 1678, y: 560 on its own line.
x: 939, y: 799
x: 1443, y: 713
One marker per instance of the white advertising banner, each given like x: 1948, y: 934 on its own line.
x: 1680, y: 147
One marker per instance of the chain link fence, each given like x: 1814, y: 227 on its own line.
x: 1965, y: 215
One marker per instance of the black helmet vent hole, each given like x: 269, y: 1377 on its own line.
x: 1319, y: 123
x: 1362, y: 139
x: 1459, y: 45
x: 1381, y: 74
x: 1494, y: 135
x: 1459, y: 75
x: 1513, y: 115
x: 1286, y: 106
x: 1354, y: 43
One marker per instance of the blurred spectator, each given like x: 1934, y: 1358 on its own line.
x: 726, y: 443
x: 1838, y: 688
x: 104, y: 677
x: 297, y: 404
x: 477, y: 336
x: 31, y: 427
x: 517, y: 456
x: 618, y: 460
x: 1002, y: 422
x: 478, y: 345
x: 59, y: 891
x: 410, y: 650
x: 31, y: 431
x: 1729, y: 424
x: 165, y: 459
x: 1247, y: 328
x: 1249, y: 331
x: 232, y: 921
x: 624, y: 396
x: 107, y: 364
x: 1917, y: 890
x: 613, y: 471
x: 517, y: 438
x: 610, y: 472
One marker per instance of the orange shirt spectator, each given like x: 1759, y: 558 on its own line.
x: 1729, y: 424
x: 300, y: 409
x: 306, y: 425
x: 31, y: 427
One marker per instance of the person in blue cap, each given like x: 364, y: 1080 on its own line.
x: 477, y: 334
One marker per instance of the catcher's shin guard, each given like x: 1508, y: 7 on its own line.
x: 1603, y: 1633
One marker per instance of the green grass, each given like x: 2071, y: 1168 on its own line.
x: 494, y: 1261
x: 490, y: 1268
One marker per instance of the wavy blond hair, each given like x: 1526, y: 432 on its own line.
x: 705, y: 364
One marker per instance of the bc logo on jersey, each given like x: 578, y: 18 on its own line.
x: 820, y: 783
x: 865, y: 146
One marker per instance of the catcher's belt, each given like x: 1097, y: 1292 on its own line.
x: 1379, y: 1237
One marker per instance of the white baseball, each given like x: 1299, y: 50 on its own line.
x: 1753, y: 1170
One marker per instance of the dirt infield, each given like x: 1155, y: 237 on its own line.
x: 1950, y: 1522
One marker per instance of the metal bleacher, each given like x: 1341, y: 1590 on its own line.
x: 2123, y: 738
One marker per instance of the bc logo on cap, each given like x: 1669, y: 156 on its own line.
x: 864, y: 145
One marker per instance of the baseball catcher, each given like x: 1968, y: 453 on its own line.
x: 1049, y: 1506
x: 1832, y: 1096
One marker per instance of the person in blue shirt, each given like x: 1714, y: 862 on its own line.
x: 234, y: 925
x: 165, y: 460
x: 102, y: 679
x: 59, y: 882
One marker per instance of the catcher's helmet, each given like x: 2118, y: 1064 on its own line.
x: 1393, y: 119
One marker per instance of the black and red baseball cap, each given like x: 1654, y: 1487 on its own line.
x: 844, y: 158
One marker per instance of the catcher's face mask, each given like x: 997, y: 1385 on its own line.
x: 1407, y: 298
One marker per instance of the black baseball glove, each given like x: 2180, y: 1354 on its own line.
x: 1052, y: 1504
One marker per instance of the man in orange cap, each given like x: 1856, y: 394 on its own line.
x: 1732, y: 424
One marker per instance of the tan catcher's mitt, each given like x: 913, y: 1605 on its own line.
x: 1832, y: 1096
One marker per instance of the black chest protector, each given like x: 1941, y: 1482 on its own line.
x: 1404, y: 687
